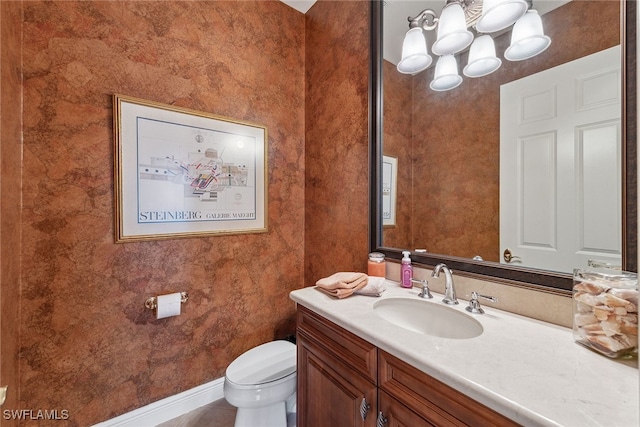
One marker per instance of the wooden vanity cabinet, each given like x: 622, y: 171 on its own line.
x: 337, y: 375
x: 337, y: 370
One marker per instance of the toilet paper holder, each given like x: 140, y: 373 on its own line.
x: 152, y: 302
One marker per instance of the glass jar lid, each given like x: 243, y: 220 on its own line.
x: 376, y: 256
x: 610, y: 277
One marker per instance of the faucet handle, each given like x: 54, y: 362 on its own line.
x: 425, y: 288
x: 474, y: 303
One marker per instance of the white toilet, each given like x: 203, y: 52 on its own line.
x: 261, y: 383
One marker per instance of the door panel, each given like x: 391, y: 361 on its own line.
x: 560, y: 165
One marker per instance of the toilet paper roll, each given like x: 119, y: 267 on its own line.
x: 168, y: 305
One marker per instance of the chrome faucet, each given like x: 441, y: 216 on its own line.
x: 449, y: 288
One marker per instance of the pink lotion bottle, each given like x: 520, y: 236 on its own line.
x: 406, y: 270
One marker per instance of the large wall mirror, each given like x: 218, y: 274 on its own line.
x: 444, y: 186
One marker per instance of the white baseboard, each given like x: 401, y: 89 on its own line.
x: 170, y: 407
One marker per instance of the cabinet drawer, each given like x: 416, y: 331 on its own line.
x: 340, y: 343
x: 431, y: 399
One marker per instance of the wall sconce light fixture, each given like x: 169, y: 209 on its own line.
x: 453, y: 36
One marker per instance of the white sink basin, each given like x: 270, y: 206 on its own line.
x: 430, y: 318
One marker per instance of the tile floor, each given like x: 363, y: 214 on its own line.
x: 215, y: 414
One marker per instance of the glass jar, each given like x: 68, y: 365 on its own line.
x: 605, y: 311
x: 376, y: 265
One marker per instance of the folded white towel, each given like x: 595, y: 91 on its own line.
x: 375, y: 287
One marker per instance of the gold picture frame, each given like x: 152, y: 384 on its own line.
x: 185, y: 173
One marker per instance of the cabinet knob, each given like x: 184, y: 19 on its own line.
x: 364, y: 408
x: 381, y: 420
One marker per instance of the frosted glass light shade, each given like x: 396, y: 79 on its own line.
x: 527, y: 38
x: 446, y: 76
x: 453, y: 35
x: 414, y: 53
x: 482, y: 57
x: 499, y: 14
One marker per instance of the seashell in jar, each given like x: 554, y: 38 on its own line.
x: 612, y: 344
x: 611, y: 326
x: 631, y: 295
x: 629, y: 318
x: 602, y: 312
x: 613, y: 301
x: 582, y: 308
x: 582, y: 319
x: 588, y: 299
x: 629, y: 328
x: 620, y: 311
x: 591, y: 288
x: 593, y: 329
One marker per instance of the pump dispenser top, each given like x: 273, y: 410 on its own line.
x: 406, y: 270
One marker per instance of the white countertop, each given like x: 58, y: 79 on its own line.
x: 530, y: 371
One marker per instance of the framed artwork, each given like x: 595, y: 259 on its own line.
x: 184, y: 173
x: 389, y: 188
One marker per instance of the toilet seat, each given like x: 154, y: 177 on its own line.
x: 266, y: 363
x: 261, y: 383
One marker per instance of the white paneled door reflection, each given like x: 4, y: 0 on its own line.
x: 560, y: 165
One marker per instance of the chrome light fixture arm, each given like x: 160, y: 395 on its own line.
x: 427, y: 20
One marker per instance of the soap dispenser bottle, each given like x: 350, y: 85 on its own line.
x: 406, y: 270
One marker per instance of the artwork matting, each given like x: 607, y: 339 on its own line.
x: 389, y: 190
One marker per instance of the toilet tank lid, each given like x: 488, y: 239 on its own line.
x: 264, y: 363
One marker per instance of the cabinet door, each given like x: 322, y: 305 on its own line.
x: 329, y: 392
x: 395, y: 414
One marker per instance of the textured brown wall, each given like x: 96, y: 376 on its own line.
x: 87, y: 344
x: 336, y: 158
x: 457, y: 138
x: 10, y: 165
x: 398, y: 134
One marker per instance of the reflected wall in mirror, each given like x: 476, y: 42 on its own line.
x: 448, y: 145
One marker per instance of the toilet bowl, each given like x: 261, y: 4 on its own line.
x: 261, y: 383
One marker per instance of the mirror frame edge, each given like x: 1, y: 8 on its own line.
x: 541, y: 280
x: 375, y: 122
x: 628, y: 37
